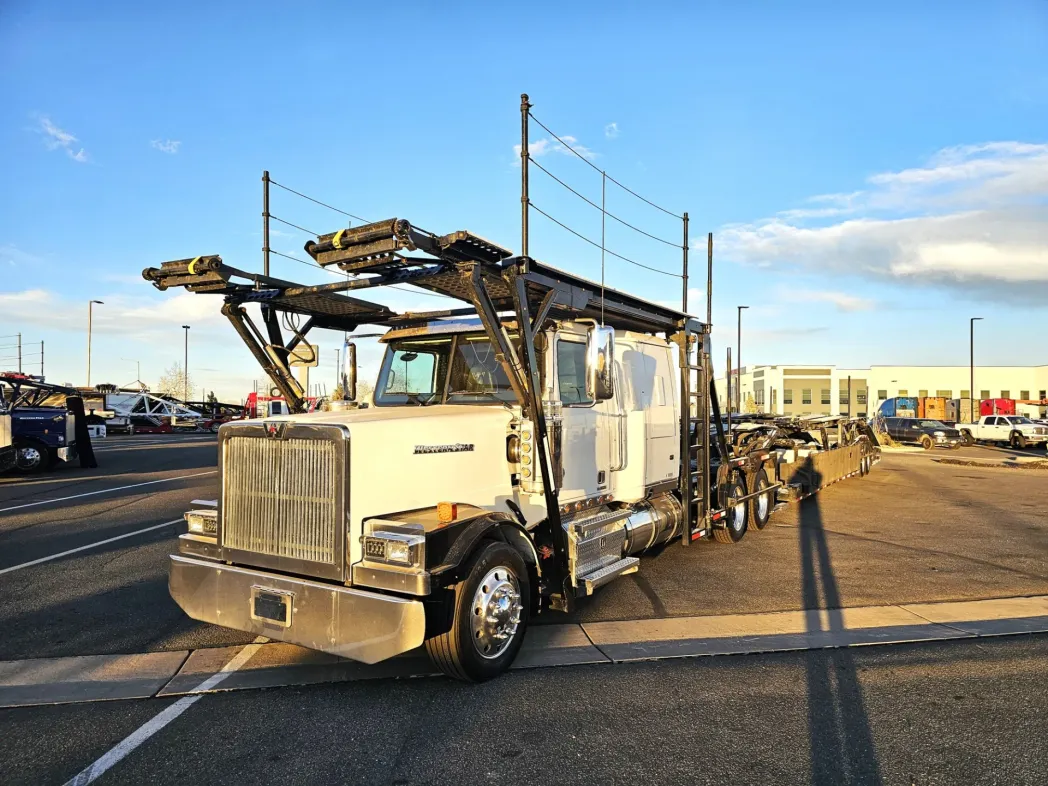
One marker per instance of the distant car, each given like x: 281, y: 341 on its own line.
x: 149, y: 424
x: 927, y: 433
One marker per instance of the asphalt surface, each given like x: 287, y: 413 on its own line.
x: 914, y: 530
x: 949, y: 713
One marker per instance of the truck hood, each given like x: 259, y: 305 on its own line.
x: 407, y: 458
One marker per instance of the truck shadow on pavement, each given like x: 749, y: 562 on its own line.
x: 840, y: 740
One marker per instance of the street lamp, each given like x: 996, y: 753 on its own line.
x: 185, y: 368
x: 90, y: 309
x: 971, y: 380
x: 138, y: 369
x: 738, y: 362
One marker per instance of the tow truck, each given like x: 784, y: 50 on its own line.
x: 42, y: 426
x: 518, y: 453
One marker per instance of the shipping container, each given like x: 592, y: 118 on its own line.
x: 959, y: 410
x: 997, y: 406
x: 902, y: 407
x: 932, y: 407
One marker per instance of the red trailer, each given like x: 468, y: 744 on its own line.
x: 997, y: 406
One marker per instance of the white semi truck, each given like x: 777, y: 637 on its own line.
x: 520, y: 453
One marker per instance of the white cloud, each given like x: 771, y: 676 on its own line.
x: 169, y: 146
x: 975, y: 218
x: 611, y: 130
x: 541, y: 147
x: 841, y: 300
x: 58, y: 139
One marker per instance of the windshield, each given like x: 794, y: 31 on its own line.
x: 932, y: 424
x: 1021, y: 421
x: 459, y: 369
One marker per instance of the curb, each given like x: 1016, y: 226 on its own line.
x: 90, y: 678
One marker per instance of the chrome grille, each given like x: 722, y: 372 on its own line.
x: 280, y: 497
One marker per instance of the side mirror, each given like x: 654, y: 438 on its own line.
x: 349, y: 371
x: 600, y: 359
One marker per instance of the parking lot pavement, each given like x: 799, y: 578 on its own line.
x: 954, y: 712
x: 910, y: 531
x: 84, y: 598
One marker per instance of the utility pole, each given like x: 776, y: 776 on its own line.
x: 185, y: 368
x: 90, y: 307
x: 738, y: 361
x: 265, y: 222
x: 971, y: 380
x: 41, y: 359
x: 19, y: 353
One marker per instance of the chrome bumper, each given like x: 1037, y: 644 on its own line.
x: 350, y: 623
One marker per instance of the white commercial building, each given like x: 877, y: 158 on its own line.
x: 823, y: 389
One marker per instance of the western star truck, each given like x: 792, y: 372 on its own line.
x: 1015, y: 430
x: 518, y: 454
x: 43, y: 428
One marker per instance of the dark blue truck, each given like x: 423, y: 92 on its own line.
x: 43, y: 430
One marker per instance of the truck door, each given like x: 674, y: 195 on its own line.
x: 586, y: 443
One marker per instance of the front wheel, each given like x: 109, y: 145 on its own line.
x: 1018, y: 441
x: 214, y: 427
x: 926, y: 442
x: 30, y: 458
x: 477, y: 629
x: 966, y: 437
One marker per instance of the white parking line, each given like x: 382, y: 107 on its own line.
x: 88, y: 546
x: 144, y: 732
x: 106, y: 491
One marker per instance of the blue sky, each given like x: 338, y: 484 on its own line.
x: 873, y: 176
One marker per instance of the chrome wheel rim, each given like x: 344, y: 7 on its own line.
x: 762, y: 504
x: 495, y: 612
x: 29, y: 458
x: 738, y: 515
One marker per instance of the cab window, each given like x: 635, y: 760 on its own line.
x: 571, y: 372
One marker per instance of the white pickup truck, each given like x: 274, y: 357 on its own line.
x: 1016, y: 430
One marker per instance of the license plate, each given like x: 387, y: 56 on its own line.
x: 272, y: 606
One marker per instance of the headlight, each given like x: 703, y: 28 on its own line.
x: 202, y: 522
x: 940, y: 433
x: 395, y: 548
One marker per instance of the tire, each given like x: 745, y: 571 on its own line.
x: 214, y: 427
x: 130, y: 431
x: 737, y: 515
x: 926, y: 442
x: 761, y: 507
x: 1018, y: 441
x: 31, y: 457
x: 955, y: 446
x: 459, y: 641
x: 966, y: 435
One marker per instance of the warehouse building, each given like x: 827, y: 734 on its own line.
x: 827, y: 390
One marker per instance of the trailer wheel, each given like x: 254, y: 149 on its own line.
x: 737, y: 513
x: 761, y: 507
x: 926, y: 442
x: 478, y: 627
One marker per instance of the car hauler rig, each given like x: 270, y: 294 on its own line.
x: 521, y: 452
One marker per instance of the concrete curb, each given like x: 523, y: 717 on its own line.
x: 107, y: 677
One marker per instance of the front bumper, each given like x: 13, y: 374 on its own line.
x: 67, y: 453
x: 363, y: 626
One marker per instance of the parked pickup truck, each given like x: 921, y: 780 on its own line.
x: 929, y: 433
x: 1016, y: 430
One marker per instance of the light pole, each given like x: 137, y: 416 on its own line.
x: 738, y: 362
x: 138, y: 369
x: 185, y: 368
x: 971, y: 380
x: 90, y: 316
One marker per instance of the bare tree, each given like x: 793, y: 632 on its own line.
x: 173, y: 382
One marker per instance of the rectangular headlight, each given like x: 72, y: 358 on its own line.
x: 202, y: 522
x: 395, y: 548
